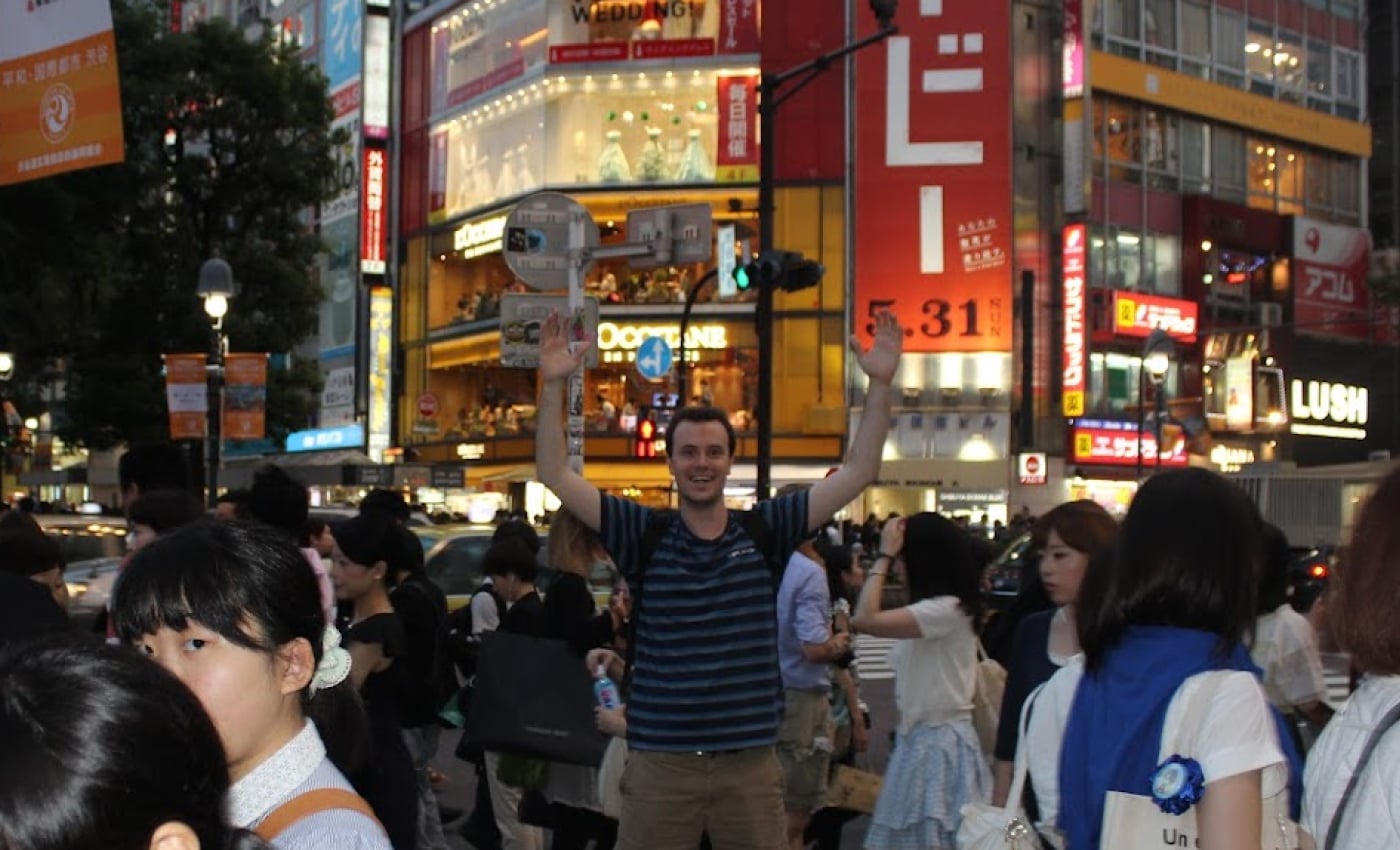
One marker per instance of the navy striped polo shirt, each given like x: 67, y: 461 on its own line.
x: 705, y: 675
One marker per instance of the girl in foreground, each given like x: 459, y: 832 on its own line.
x: 233, y: 610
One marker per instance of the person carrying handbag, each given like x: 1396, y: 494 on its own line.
x: 1353, y: 777
x: 937, y: 766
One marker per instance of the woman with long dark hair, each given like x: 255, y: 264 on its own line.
x: 1066, y: 539
x: 937, y: 765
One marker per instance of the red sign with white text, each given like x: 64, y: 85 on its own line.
x: 737, y: 158
x: 738, y: 26
x: 1113, y: 447
x: 1330, y: 263
x: 933, y: 177
x: 1135, y: 314
x: 608, y: 51
x: 374, y: 213
x: 1075, y: 365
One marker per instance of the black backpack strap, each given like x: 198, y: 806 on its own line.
x: 657, y: 524
x: 761, y: 533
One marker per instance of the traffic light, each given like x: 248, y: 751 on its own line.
x: 785, y: 270
x: 646, y: 439
x: 742, y: 281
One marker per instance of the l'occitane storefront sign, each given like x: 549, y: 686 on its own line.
x: 619, y: 343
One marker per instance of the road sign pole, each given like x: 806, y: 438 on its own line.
x: 578, y: 243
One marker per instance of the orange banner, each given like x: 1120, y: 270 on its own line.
x: 60, y: 100
x: 245, y: 397
x: 186, y: 394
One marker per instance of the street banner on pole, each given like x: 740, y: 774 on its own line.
x: 245, y: 396
x: 187, y: 395
x: 60, y: 101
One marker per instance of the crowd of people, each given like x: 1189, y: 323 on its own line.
x: 269, y: 681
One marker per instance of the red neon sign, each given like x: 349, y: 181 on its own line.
x: 374, y: 213
x: 1076, y: 358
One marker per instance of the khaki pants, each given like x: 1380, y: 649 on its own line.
x: 670, y: 799
x: 804, y: 749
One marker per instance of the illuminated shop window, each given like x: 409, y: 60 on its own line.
x: 1113, y: 383
x: 476, y: 47
x: 1120, y: 258
x: 624, y: 128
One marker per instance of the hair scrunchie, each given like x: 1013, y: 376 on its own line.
x: 335, y: 662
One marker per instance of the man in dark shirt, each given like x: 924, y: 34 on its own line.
x: 512, y: 569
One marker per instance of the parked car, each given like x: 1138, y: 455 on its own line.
x: 1001, y: 580
x: 1308, y: 572
x: 82, y: 538
x: 331, y: 514
x: 90, y: 585
x: 454, y: 563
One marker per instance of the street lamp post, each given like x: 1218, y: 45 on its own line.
x: 768, y: 103
x: 216, y: 288
x: 7, y: 371
x: 1156, y: 360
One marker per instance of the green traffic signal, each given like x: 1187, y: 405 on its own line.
x: 741, y: 278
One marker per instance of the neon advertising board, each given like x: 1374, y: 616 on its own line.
x: 933, y: 196
x: 1107, y: 443
x: 1074, y: 375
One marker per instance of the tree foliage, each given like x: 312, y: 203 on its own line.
x: 228, y: 145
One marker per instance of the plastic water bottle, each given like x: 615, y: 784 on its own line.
x: 604, y: 690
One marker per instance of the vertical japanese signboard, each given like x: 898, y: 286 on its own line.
x: 381, y: 353
x: 245, y: 396
x: 60, y: 102
x: 933, y: 195
x: 737, y: 158
x: 1076, y: 359
x: 1330, y: 263
x: 186, y: 395
x: 374, y: 216
x: 1074, y: 58
x: 376, y: 76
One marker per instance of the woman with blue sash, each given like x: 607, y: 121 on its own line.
x: 1162, y: 625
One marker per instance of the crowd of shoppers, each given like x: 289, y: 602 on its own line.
x: 272, y: 682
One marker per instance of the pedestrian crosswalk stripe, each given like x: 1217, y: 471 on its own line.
x: 872, y: 658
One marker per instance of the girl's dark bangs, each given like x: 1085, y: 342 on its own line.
x: 164, y: 587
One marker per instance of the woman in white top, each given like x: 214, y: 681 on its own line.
x: 937, y: 765
x: 1363, y: 602
x: 1160, y: 622
x: 233, y: 610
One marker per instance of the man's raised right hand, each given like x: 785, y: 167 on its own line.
x: 556, y: 360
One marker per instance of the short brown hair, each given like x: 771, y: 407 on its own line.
x: 1365, y: 588
x: 699, y: 414
x: 1083, y: 525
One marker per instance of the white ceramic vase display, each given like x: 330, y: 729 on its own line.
x: 695, y: 166
x: 651, y: 165
x: 612, y: 163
